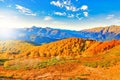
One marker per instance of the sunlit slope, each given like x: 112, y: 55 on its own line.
x: 103, y: 47
x: 65, y: 47
x: 14, y: 46
x: 73, y: 47
x: 103, y: 30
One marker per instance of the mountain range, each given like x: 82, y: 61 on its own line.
x: 38, y: 35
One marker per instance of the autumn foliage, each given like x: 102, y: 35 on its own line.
x: 74, y: 47
x: 72, y: 58
x: 14, y: 46
x: 10, y: 48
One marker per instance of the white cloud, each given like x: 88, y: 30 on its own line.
x: 24, y: 10
x: 57, y: 3
x: 110, y: 16
x: 48, y: 18
x: 66, y: 4
x: 84, y: 7
x: 71, y: 16
x: 70, y: 7
x: 85, y: 14
x: 60, y: 13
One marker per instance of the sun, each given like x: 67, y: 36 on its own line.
x: 6, y: 33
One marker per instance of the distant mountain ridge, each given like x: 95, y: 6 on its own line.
x: 38, y: 35
x: 104, y: 33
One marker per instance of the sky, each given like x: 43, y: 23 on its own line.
x: 63, y: 14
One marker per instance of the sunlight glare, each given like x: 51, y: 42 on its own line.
x: 6, y: 33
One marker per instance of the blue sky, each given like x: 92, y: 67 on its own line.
x: 65, y: 14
